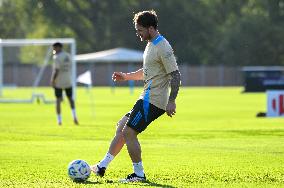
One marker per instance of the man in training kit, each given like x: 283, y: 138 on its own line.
x: 61, y: 79
x: 159, y: 72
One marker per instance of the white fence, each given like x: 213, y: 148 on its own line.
x: 25, y: 74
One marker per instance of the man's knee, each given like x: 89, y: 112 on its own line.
x: 70, y: 98
x: 59, y: 99
x: 128, y: 133
x: 71, y: 101
x: 119, y: 133
x: 120, y: 125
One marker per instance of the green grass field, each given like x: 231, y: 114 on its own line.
x: 215, y: 140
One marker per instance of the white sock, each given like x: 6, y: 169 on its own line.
x: 105, y: 162
x: 138, y: 169
x: 59, y: 118
x: 74, y: 113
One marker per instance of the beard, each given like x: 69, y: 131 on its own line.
x: 145, y: 37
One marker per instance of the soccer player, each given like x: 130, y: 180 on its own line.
x: 61, y: 79
x: 159, y: 72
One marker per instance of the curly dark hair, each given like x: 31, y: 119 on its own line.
x: 146, y: 19
x: 58, y: 44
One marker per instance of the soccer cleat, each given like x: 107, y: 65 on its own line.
x: 133, y: 178
x: 98, y: 170
x: 76, y: 122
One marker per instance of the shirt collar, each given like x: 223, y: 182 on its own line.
x: 158, y: 39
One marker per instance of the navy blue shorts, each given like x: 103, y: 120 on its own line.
x: 58, y: 92
x: 142, y: 114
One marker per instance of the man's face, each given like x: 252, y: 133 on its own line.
x: 142, y: 32
x: 56, y: 49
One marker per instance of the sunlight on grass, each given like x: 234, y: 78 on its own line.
x: 215, y: 140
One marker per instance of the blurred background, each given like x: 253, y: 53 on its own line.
x: 212, y: 39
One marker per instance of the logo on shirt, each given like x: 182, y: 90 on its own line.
x: 66, y: 59
x: 168, y: 54
x: 145, y: 72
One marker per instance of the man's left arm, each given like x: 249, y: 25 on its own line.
x: 175, y: 84
x: 169, y: 61
x: 53, y: 77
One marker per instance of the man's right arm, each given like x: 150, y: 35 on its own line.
x: 53, y: 77
x: 120, y: 76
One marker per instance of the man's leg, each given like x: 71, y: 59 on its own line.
x: 118, y: 141
x: 58, y: 95
x: 115, y: 147
x: 142, y: 115
x: 72, y: 105
x: 69, y: 94
x: 134, y: 150
x: 132, y: 143
x: 58, y: 110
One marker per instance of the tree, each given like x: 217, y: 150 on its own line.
x: 243, y: 32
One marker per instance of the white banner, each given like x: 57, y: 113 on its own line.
x: 275, y: 103
x: 85, y: 78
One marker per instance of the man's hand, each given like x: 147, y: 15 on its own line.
x: 52, y: 83
x: 118, y: 76
x: 171, y: 108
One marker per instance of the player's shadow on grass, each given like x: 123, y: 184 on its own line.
x: 145, y: 183
x: 89, y: 182
x: 148, y: 183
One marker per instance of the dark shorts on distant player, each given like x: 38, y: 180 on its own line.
x: 58, y: 92
x: 142, y: 114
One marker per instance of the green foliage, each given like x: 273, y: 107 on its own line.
x: 214, y: 140
x: 12, y: 19
x: 253, y: 36
x: 243, y: 32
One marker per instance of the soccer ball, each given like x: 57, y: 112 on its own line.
x: 79, y: 170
